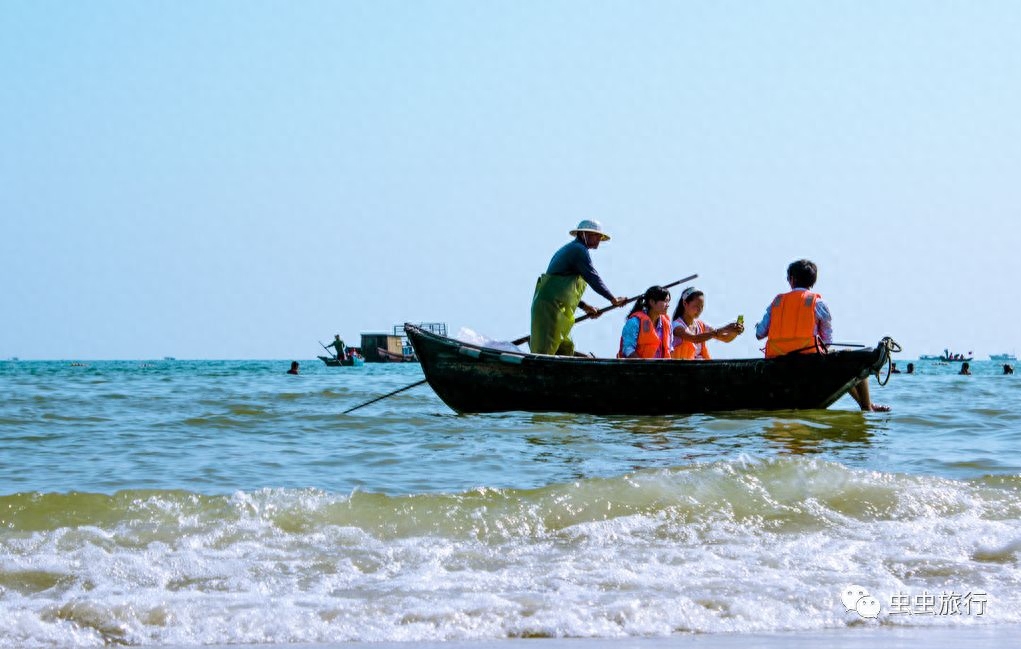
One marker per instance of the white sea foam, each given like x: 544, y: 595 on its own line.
x: 728, y: 547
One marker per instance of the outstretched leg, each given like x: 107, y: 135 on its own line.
x: 860, y: 393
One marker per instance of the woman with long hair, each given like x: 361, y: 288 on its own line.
x: 647, y: 332
x: 691, y: 334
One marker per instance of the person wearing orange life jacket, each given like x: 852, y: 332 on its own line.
x: 647, y: 332
x: 691, y: 335
x: 799, y: 322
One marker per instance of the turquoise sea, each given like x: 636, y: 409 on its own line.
x: 183, y: 503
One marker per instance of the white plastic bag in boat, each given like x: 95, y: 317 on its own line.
x: 467, y: 335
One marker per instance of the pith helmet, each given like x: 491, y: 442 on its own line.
x: 589, y: 225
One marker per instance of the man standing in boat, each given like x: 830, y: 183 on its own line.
x: 558, y: 291
x: 339, y: 346
x: 799, y: 322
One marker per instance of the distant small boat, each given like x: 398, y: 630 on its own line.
x: 391, y: 357
x: 169, y: 358
x: 957, y: 358
x: 1002, y: 357
x: 949, y: 357
x: 350, y: 361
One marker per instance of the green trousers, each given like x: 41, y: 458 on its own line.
x: 553, y: 304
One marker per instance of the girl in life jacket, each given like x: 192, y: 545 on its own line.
x: 647, y: 332
x: 691, y: 335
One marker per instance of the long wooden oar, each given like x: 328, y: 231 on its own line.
x: 388, y: 394
x: 518, y: 341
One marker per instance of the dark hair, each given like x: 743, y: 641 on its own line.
x: 803, y: 273
x: 679, y: 309
x: 652, y: 294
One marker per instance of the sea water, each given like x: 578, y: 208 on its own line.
x: 225, y: 502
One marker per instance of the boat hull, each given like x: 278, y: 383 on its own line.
x: 387, y: 356
x: 347, y: 362
x: 473, y: 379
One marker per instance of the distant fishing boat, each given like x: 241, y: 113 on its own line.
x: 471, y: 378
x: 393, y: 347
x: 350, y: 361
x: 1002, y: 357
x: 949, y: 357
x: 407, y: 355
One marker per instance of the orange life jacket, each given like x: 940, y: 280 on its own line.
x: 689, y: 351
x: 792, y: 324
x: 649, y: 342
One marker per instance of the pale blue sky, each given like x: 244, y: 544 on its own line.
x: 240, y: 179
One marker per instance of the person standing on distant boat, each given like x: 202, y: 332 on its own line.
x: 799, y: 322
x: 340, y: 347
x: 647, y: 332
x: 558, y: 291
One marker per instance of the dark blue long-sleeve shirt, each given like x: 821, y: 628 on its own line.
x: 574, y: 259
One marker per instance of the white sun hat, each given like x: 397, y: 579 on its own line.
x: 589, y: 225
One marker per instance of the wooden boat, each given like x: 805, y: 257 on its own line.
x: 949, y: 357
x: 472, y: 379
x: 350, y: 361
x: 391, y: 357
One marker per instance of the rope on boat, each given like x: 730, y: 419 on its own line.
x: 892, y: 347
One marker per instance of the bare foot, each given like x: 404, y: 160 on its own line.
x: 878, y: 407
